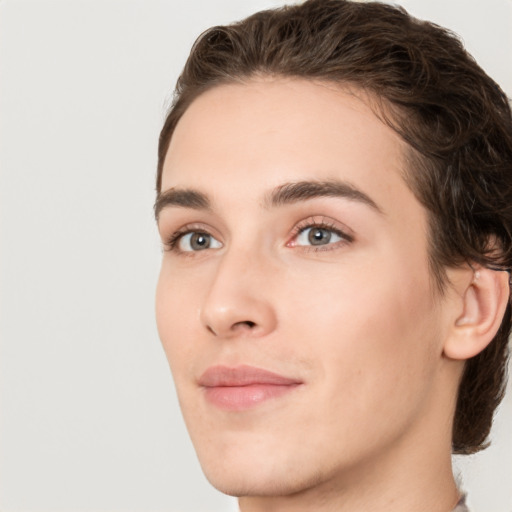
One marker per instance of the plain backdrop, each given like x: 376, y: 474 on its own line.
x: 89, y: 420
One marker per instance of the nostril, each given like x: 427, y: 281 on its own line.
x: 235, y: 327
x: 247, y: 323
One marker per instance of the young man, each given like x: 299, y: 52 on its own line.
x: 334, y: 190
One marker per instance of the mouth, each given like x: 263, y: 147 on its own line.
x: 243, y: 387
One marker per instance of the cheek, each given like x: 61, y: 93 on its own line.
x: 176, y: 312
x: 370, y: 340
x: 368, y: 328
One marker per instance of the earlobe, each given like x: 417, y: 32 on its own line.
x: 484, y: 301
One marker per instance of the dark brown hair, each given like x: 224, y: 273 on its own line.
x: 455, y: 118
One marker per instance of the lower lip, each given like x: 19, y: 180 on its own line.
x: 239, y: 398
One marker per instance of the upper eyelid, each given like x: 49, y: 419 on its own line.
x: 189, y: 227
x: 325, y: 222
x: 170, y: 241
x: 343, y: 240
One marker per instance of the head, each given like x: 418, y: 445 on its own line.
x: 441, y: 125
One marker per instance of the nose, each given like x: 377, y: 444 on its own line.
x: 238, y: 302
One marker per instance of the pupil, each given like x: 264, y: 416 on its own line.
x: 319, y: 236
x: 200, y: 241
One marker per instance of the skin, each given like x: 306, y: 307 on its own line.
x: 357, y: 321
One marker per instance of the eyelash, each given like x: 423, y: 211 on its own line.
x: 323, y: 223
x: 172, y: 243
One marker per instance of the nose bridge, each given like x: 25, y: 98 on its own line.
x: 238, y: 301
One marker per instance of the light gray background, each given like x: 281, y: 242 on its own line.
x: 89, y: 421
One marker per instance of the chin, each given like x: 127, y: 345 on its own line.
x: 262, y: 474
x: 256, y: 483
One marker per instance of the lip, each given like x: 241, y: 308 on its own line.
x: 243, y: 387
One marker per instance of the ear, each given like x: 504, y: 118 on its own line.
x: 484, y: 298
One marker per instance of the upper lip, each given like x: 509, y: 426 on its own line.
x: 224, y: 376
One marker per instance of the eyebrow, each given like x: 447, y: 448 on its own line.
x: 290, y: 193
x: 285, y: 194
x: 185, y: 198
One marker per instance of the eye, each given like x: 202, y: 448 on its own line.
x: 192, y: 241
x: 317, y: 235
x: 196, y: 241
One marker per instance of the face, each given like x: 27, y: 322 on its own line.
x: 294, y: 303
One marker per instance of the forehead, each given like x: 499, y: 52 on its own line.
x: 244, y: 139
